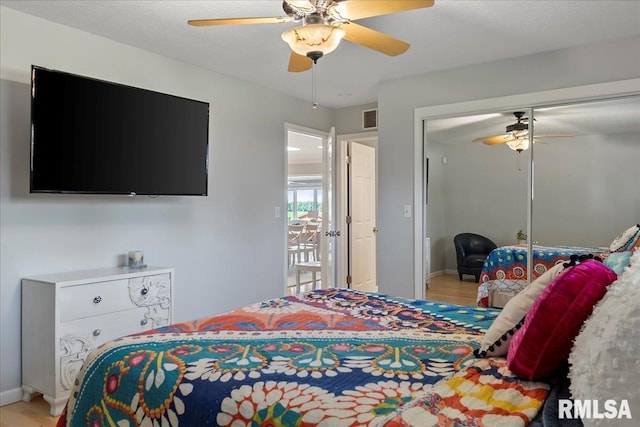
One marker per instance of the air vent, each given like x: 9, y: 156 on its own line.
x: 370, y: 119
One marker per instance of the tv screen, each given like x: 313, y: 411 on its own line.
x: 95, y: 137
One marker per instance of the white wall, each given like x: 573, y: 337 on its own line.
x: 598, y: 63
x: 222, y: 246
x: 305, y: 169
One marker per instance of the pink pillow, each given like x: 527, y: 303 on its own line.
x: 544, y: 342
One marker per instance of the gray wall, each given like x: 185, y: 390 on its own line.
x: 485, y: 193
x: 435, y: 211
x: 224, y: 247
x: 397, y: 100
x: 349, y: 120
x: 586, y: 192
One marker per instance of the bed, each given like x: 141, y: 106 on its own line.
x: 504, y: 273
x: 330, y: 357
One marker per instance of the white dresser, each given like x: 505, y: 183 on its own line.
x: 66, y: 315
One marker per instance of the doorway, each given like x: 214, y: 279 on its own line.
x: 309, y: 210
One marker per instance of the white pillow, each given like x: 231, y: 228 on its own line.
x: 625, y: 239
x: 605, y: 359
x: 496, y: 340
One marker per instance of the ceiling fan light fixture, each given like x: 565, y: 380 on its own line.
x: 313, y: 38
x: 519, y: 144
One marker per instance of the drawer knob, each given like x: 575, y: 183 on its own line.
x: 96, y: 332
x: 144, y: 322
x: 96, y: 300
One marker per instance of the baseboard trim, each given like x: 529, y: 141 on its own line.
x: 442, y: 273
x: 10, y: 396
x: 436, y: 274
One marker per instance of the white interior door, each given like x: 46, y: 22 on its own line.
x: 329, y: 234
x: 362, y: 212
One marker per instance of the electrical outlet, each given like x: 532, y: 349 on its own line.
x: 406, y: 211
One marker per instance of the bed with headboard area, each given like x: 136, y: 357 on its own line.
x: 504, y: 273
x: 340, y: 357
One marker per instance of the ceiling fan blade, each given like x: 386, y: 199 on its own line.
x: 552, y: 136
x: 239, y: 21
x: 298, y: 63
x: 373, y: 39
x: 360, y: 9
x: 493, y: 140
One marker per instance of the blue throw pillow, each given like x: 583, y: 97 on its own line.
x: 617, y: 261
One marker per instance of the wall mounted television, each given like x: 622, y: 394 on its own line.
x: 90, y: 136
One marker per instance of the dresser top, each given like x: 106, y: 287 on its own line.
x: 98, y: 275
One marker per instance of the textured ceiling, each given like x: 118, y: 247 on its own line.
x: 450, y: 34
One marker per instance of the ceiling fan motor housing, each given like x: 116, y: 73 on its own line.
x: 517, y: 127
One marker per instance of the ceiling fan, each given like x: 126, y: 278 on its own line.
x: 517, y: 135
x: 325, y: 23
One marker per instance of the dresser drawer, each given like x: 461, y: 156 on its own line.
x: 94, y: 299
x: 100, y: 329
x: 79, y: 337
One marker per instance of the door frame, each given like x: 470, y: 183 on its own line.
x: 341, y: 249
x: 512, y: 102
x: 283, y: 209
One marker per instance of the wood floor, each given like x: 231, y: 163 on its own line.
x: 448, y: 288
x: 32, y: 414
x: 445, y: 288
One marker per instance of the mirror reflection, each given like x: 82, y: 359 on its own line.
x: 586, y: 177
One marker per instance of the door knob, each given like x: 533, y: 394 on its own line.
x: 375, y: 229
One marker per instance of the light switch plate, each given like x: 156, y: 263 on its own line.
x: 406, y: 211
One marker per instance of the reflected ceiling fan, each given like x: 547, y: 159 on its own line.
x: 324, y: 23
x: 517, y: 135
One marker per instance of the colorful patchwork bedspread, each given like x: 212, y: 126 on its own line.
x: 331, y: 357
x: 505, y: 269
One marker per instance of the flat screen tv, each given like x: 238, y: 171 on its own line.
x: 95, y: 137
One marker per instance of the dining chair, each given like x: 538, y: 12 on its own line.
x: 309, y: 241
x: 294, y: 247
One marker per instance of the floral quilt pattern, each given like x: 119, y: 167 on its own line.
x: 331, y: 357
x: 505, y: 269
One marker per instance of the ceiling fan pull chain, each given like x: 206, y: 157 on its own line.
x: 314, y: 100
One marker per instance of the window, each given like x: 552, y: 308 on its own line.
x: 302, y: 200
